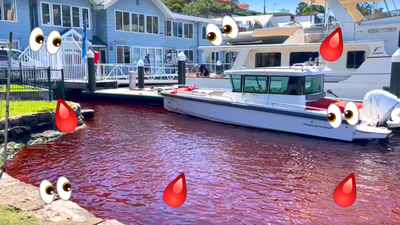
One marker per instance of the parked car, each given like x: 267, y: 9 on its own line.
x: 16, y: 57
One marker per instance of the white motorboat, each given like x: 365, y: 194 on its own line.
x: 290, y: 99
x: 369, y: 43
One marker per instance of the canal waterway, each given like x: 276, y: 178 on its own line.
x: 120, y: 164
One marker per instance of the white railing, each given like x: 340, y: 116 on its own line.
x: 121, y: 71
x: 69, y: 58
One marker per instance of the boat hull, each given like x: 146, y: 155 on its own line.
x: 262, y: 117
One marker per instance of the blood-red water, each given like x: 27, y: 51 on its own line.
x: 120, y: 165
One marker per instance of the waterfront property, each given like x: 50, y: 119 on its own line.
x: 122, y: 31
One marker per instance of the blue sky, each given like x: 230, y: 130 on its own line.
x: 258, y: 5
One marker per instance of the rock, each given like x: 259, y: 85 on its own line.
x: 88, y: 113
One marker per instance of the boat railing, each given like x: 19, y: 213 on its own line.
x: 284, y: 104
x: 211, y: 96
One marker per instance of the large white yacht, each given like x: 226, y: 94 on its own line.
x: 368, y: 45
x: 290, y: 99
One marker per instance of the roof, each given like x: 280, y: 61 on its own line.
x: 322, y: 2
x: 104, y: 4
x: 196, y: 19
x: 97, y: 42
x: 282, y: 71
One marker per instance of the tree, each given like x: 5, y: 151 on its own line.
x: 199, y: 8
x: 315, y: 8
x: 175, y: 5
x: 365, y: 8
x: 301, y: 7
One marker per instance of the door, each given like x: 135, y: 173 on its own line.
x: 214, y: 60
x: 103, y: 60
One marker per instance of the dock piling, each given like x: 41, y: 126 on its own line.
x: 140, y: 70
x: 92, y: 78
x: 132, y: 80
x: 181, y: 68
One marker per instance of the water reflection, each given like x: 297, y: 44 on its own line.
x: 121, y: 163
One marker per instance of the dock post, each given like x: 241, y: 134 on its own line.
x: 92, y: 78
x: 219, y: 68
x: 395, y: 73
x: 181, y: 68
x: 140, y: 69
x: 132, y: 80
x: 49, y: 81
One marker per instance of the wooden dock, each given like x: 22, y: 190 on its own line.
x: 147, y: 96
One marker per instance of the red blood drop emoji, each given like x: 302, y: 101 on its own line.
x: 175, y: 193
x: 345, y: 193
x: 66, y: 119
x: 332, y: 47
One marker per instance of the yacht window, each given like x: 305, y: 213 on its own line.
x: 355, y: 59
x: 256, y: 84
x: 236, y: 81
x: 302, y: 57
x: 314, y: 84
x: 287, y: 85
x: 268, y: 59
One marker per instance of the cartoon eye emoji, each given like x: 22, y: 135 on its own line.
x: 46, y: 191
x: 36, y: 39
x: 214, y: 34
x: 334, y: 115
x: 53, y: 43
x: 230, y: 27
x: 351, y: 113
x: 64, y: 188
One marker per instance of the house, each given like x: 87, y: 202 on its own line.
x: 122, y: 31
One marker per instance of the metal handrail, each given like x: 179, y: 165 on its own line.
x: 286, y: 104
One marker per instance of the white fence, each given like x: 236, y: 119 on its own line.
x: 68, y: 58
x: 121, y: 71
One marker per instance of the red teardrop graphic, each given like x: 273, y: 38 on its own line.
x: 175, y: 193
x: 332, y: 47
x: 345, y: 193
x: 66, y: 119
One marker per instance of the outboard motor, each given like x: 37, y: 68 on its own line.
x: 378, y: 106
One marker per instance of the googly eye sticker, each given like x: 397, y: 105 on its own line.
x: 334, y: 115
x: 47, y: 192
x: 351, y: 113
x: 37, y: 39
x: 230, y: 27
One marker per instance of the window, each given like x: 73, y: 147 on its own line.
x: 191, y: 31
x: 355, y: 59
x: 46, y: 14
x: 268, y: 59
x: 189, y: 55
x: 180, y: 30
x: 75, y: 17
x: 302, y: 57
x: 118, y: 20
x: 155, y: 25
x: 175, y: 29
x: 256, y: 84
x: 3, y: 55
x: 135, y: 22
x: 66, y: 15
x: 168, y: 57
x: 126, y: 21
x: 56, y: 15
x: 149, y: 24
x: 141, y: 23
x: 287, y: 85
x: 236, y: 81
x: 168, y: 28
x: 186, y: 30
x: 85, y: 17
x: 204, y: 33
x: 8, y: 9
x: 123, y: 54
x: 314, y: 84
x: 137, y: 2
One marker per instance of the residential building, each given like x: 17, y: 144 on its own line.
x: 122, y: 31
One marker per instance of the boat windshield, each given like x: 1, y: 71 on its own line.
x: 314, y: 84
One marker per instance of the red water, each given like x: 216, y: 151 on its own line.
x: 120, y: 165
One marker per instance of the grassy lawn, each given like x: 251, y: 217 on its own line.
x: 18, y: 108
x: 18, y: 88
x: 11, y: 216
